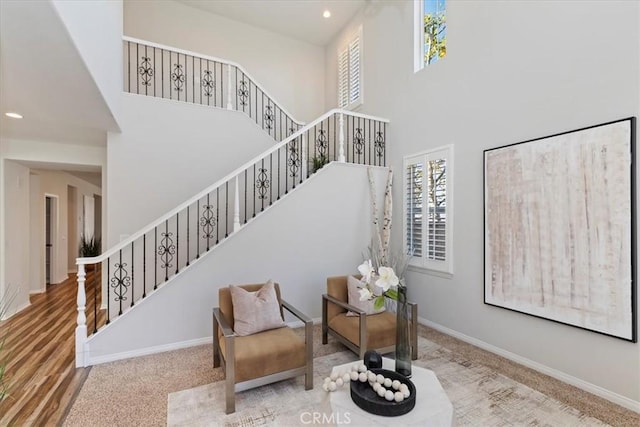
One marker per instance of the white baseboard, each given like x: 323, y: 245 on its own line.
x: 569, y: 379
x: 147, y: 351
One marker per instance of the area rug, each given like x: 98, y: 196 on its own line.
x: 480, y: 397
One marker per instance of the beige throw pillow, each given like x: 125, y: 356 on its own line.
x: 255, y: 311
x: 353, y: 287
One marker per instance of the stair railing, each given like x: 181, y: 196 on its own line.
x: 167, y: 72
x: 137, y: 266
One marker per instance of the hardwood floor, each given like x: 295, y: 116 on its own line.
x: 40, y: 353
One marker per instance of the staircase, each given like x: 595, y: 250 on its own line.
x: 141, y: 264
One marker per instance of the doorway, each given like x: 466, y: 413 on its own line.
x: 50, y: 236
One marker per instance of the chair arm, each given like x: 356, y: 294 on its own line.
x: 300, y: 315
x: 222, y: 323
x: 343, y: 304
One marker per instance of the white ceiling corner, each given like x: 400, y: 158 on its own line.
x: 298, y: 19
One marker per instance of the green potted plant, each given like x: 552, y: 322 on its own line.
x: 89, y: 248
x: 318, y: 162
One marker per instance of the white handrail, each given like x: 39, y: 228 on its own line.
x: 212, y: 58
x: 219, y: 183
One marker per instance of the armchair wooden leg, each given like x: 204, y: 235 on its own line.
x: 216, y: 344
x: 308, y: 375
x: 363, y: 335
x: 230, y: 376
x: 325, y: 327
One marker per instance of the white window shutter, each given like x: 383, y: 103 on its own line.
x: 343, y: 78
x: 414, y: 172
x: 428, y: 209
x: 349, y: 76
x: 354, y: 70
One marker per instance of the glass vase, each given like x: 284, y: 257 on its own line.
x: 403, y: 343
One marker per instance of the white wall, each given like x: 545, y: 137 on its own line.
x: 101, y: 50
x: 514, y: 71
x: 310, y: 234
x: 15, y: 284
x: 167, y: 152
x: 290, y: 70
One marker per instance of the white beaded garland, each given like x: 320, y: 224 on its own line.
x: 381, y: 385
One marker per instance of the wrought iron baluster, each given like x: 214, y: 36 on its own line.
x: 155, y: 258
x: 217, y: 215
x: 198, y: 232
x: 108, y: 296
x: 187, y: 236
x: 133, y: 295
x: 245, y: 196
x: 137, y: 66
x: 120, y: 282
x: 177, y: 241
x: 279, y: 169
x: 144, y: 265
x: 270, y: 178
x: 226, y: 215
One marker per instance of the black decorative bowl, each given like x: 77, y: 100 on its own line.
x: 368, y: 400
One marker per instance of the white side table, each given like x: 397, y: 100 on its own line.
x: 433, y: 407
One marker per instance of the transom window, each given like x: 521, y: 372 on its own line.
x: 430, y: 32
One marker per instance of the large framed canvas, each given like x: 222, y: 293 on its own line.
x: 559, y: 224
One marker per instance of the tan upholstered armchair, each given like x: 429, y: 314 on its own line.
x: 264, y: 357
x: 361, y: 333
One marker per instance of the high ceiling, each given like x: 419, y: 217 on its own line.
x: 299, y: 19
x: 43, y: 77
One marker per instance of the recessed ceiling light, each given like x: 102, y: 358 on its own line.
x: 13, y: 115
x: 326, y: 14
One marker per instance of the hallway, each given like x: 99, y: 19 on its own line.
x: 40, y: 354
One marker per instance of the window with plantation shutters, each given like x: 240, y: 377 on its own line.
x: 349, y: 77
x: 428, y: 201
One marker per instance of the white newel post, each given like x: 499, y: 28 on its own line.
x: 341, y: 158
x: 229, y: 105
x: 305, y: 166
x: 81, y: 329
x: 236, y: 207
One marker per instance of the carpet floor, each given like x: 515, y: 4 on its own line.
x: 134, y: 391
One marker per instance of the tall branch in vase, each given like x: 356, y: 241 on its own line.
x: 381, y: 238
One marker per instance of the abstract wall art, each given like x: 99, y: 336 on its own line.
x: 559, y: 224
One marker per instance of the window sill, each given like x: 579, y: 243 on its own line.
x: 429, y: 271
